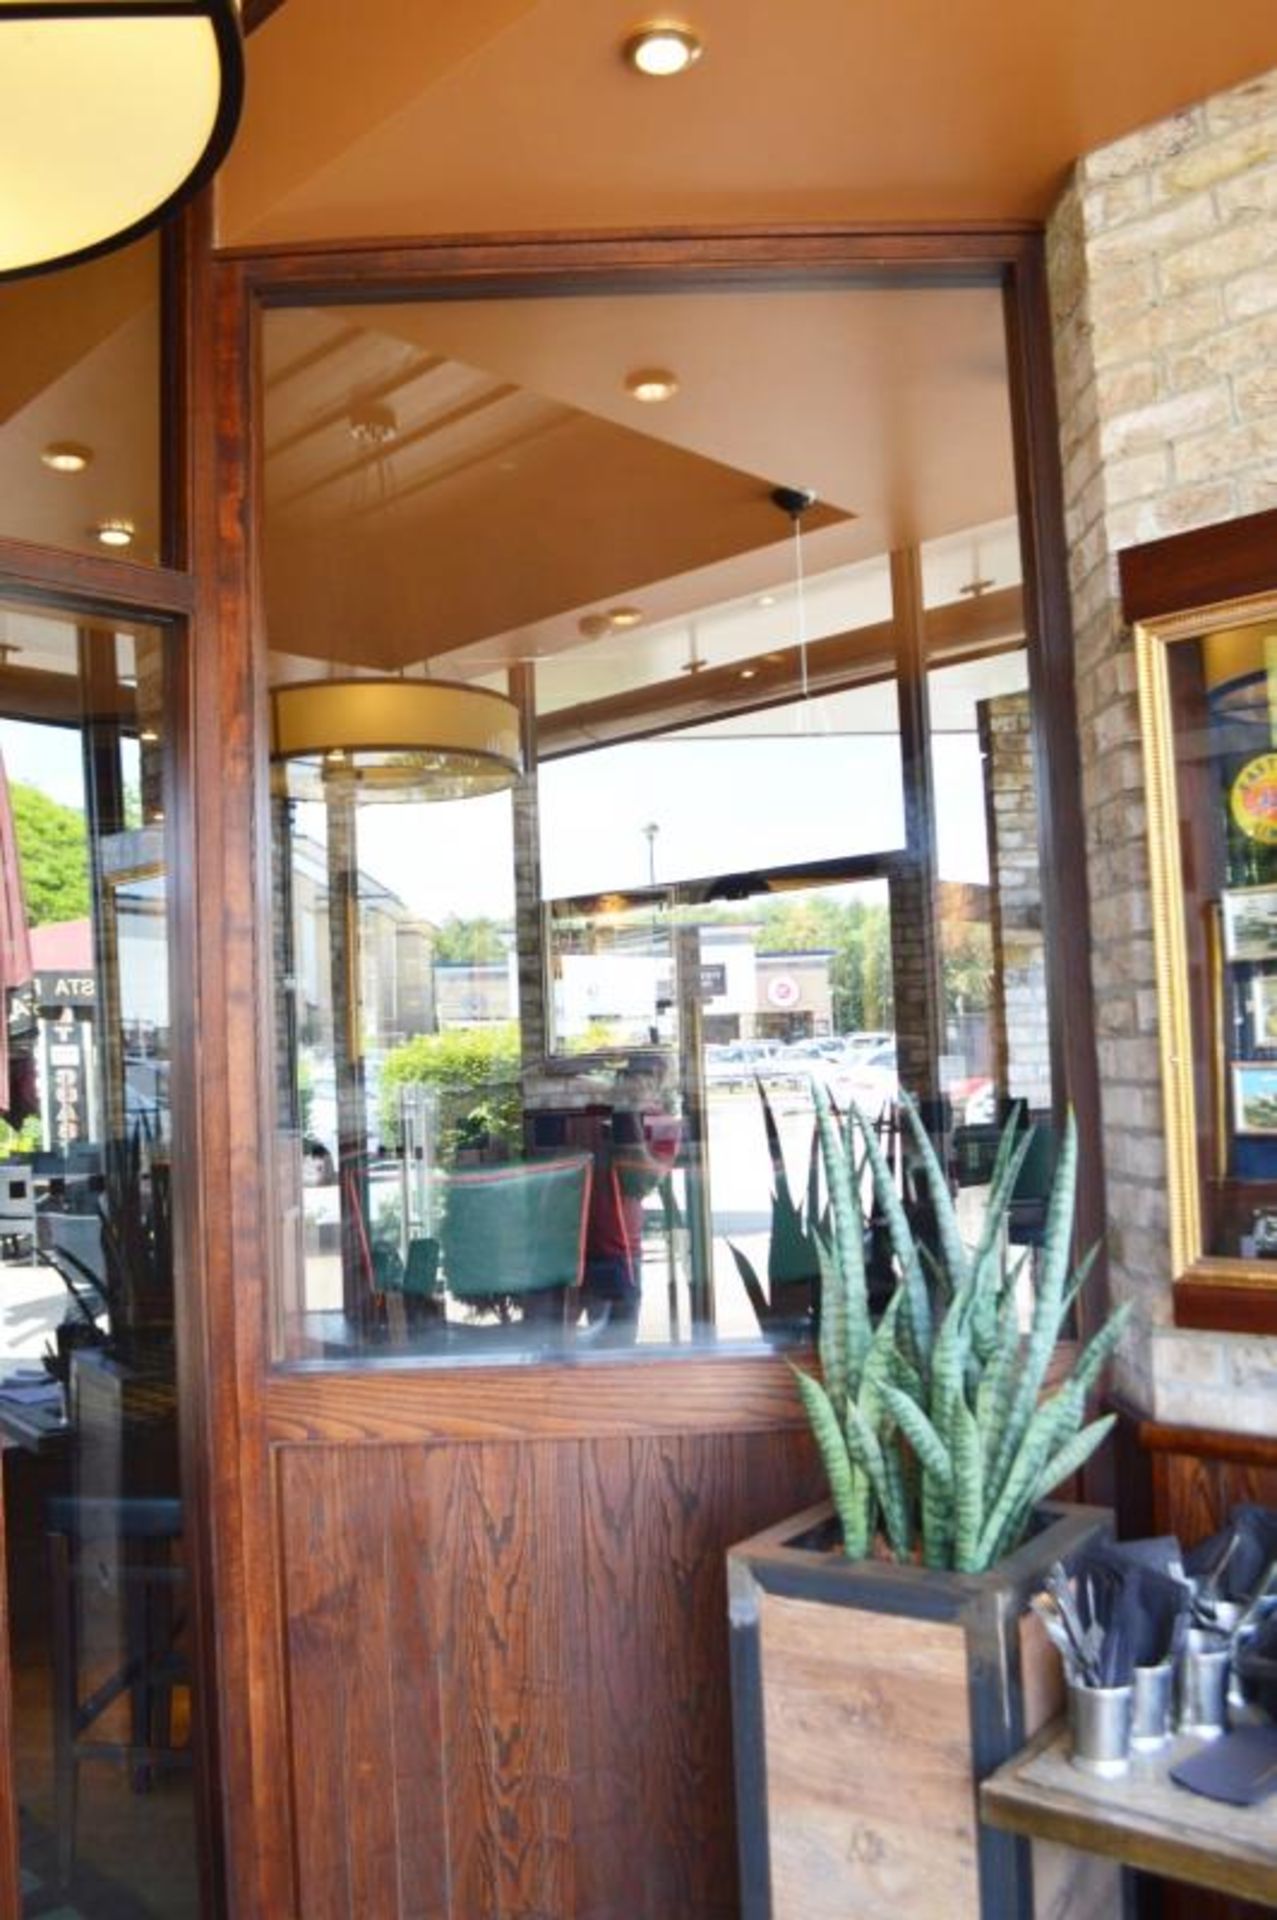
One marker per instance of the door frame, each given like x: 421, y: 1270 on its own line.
x: 237, y: 1409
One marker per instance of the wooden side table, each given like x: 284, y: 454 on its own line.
x: 1143, y: 1820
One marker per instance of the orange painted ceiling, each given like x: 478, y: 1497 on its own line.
x: 418, y: 116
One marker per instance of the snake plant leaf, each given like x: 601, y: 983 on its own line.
x: 848, y: 1485
x: 834, y: 1366
x: 996, y: 1391
x: 1075, y: 1453
x: 848, y: 1246
x: 948, y: 1366
x: 867, y: 1450
x: 968, y: 1487
x: 1053, y: 1423
x: 1057, y: 1237
x: 752, y: 1284
x: 917, y: 1312
x: 877, y: 1372
x: 1048, y: 1312
x: 1100, y: 1349
x: 956, y: 1258
x: 1013, y: 1149
x: 900, y: 1496
x: 937, y: 1522
x: 922, y: 1437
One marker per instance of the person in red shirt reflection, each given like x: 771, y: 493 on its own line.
x: 640, y: 1148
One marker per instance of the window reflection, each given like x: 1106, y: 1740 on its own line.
x: 98, y: 1602
x: 547, y: 1056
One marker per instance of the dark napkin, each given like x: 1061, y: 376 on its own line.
x: 1141, y: 1611
x: 1244, y: 1550
x: 1240, y: 1767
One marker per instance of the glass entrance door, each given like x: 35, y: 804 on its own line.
x: 99, y: 1646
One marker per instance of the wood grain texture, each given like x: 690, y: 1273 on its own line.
x: 507, y: 1672
x: 1143, y: 1820
x: 1197, y: 1475
x: 1200, y: 568
x: 868, y: 1761
x: 729, y: 1394
x: 56, y: 577
x: 1214, y: 1305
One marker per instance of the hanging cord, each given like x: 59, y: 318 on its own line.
x: 793, y: 503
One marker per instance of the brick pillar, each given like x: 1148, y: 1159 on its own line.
x: 1162, y: 263
x: 1021, y: 1034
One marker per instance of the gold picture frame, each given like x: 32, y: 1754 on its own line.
x: 1196, y: 1068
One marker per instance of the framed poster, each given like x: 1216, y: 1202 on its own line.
x: 1250, y: 923
x: 1255, y: 1097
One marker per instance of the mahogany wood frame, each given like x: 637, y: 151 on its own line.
x: 237, y: 1410
x: 250, y: 1408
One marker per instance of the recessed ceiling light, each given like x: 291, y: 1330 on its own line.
x: 625, y: 616
x: 115, y: 533
x: 651, y: 385
x: 766, y: 600
x: 662, y: 49
x: 66, y: 456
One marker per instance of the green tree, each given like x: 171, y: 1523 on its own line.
x: 475, y: 1071
x: 479, y: 942
x: 53, y: 850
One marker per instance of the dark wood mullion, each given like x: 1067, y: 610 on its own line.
x: 219, y: 983
x: 1049, y: 627
x: 124, y: 589
x: 918, y: 788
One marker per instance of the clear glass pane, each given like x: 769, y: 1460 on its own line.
x: 98, y: 1605
x: 1224, y: 737
x: 557, y: 996
x: 79, y: 406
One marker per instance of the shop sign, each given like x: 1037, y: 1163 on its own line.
x: 65, y: 1073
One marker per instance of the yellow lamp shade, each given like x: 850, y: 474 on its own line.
x: 393, y: 740
x: 110, y: 115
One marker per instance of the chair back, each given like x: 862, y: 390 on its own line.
x: 515, y: 1229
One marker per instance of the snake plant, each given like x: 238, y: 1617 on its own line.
x: 932, y: 1425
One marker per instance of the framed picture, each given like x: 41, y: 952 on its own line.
x: 1254, y: 1097
x: 1250, y: 923
x: 1263, y: 1008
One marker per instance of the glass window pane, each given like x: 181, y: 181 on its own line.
x: 99, y: 1612
x: 568, y: 995
x: 79, y: 406
x: 1223, y: 740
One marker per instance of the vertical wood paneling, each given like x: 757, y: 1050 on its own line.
x: 419, y: 1488
x: 507, y: 1666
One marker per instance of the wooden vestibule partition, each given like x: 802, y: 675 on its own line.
x: 463, y: 1634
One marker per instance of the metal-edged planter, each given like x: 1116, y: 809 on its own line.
x: 869, y: 1700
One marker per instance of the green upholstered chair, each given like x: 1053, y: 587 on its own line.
x: 516, y: 1234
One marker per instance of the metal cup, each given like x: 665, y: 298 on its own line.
x: 1100, y: 1722
x: 1152, y: 1693
x: 1202, y: 1685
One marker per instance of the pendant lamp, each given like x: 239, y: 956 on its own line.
x: 382, y: 740
x: 112, y: 112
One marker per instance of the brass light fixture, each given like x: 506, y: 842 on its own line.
x: 112, y: 112
x: 384, y: 740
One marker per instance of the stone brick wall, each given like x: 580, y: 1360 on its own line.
x: 1021, y: 1033
x: 1162, y: 258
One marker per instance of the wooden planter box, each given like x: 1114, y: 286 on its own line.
x: 869, y: 1701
